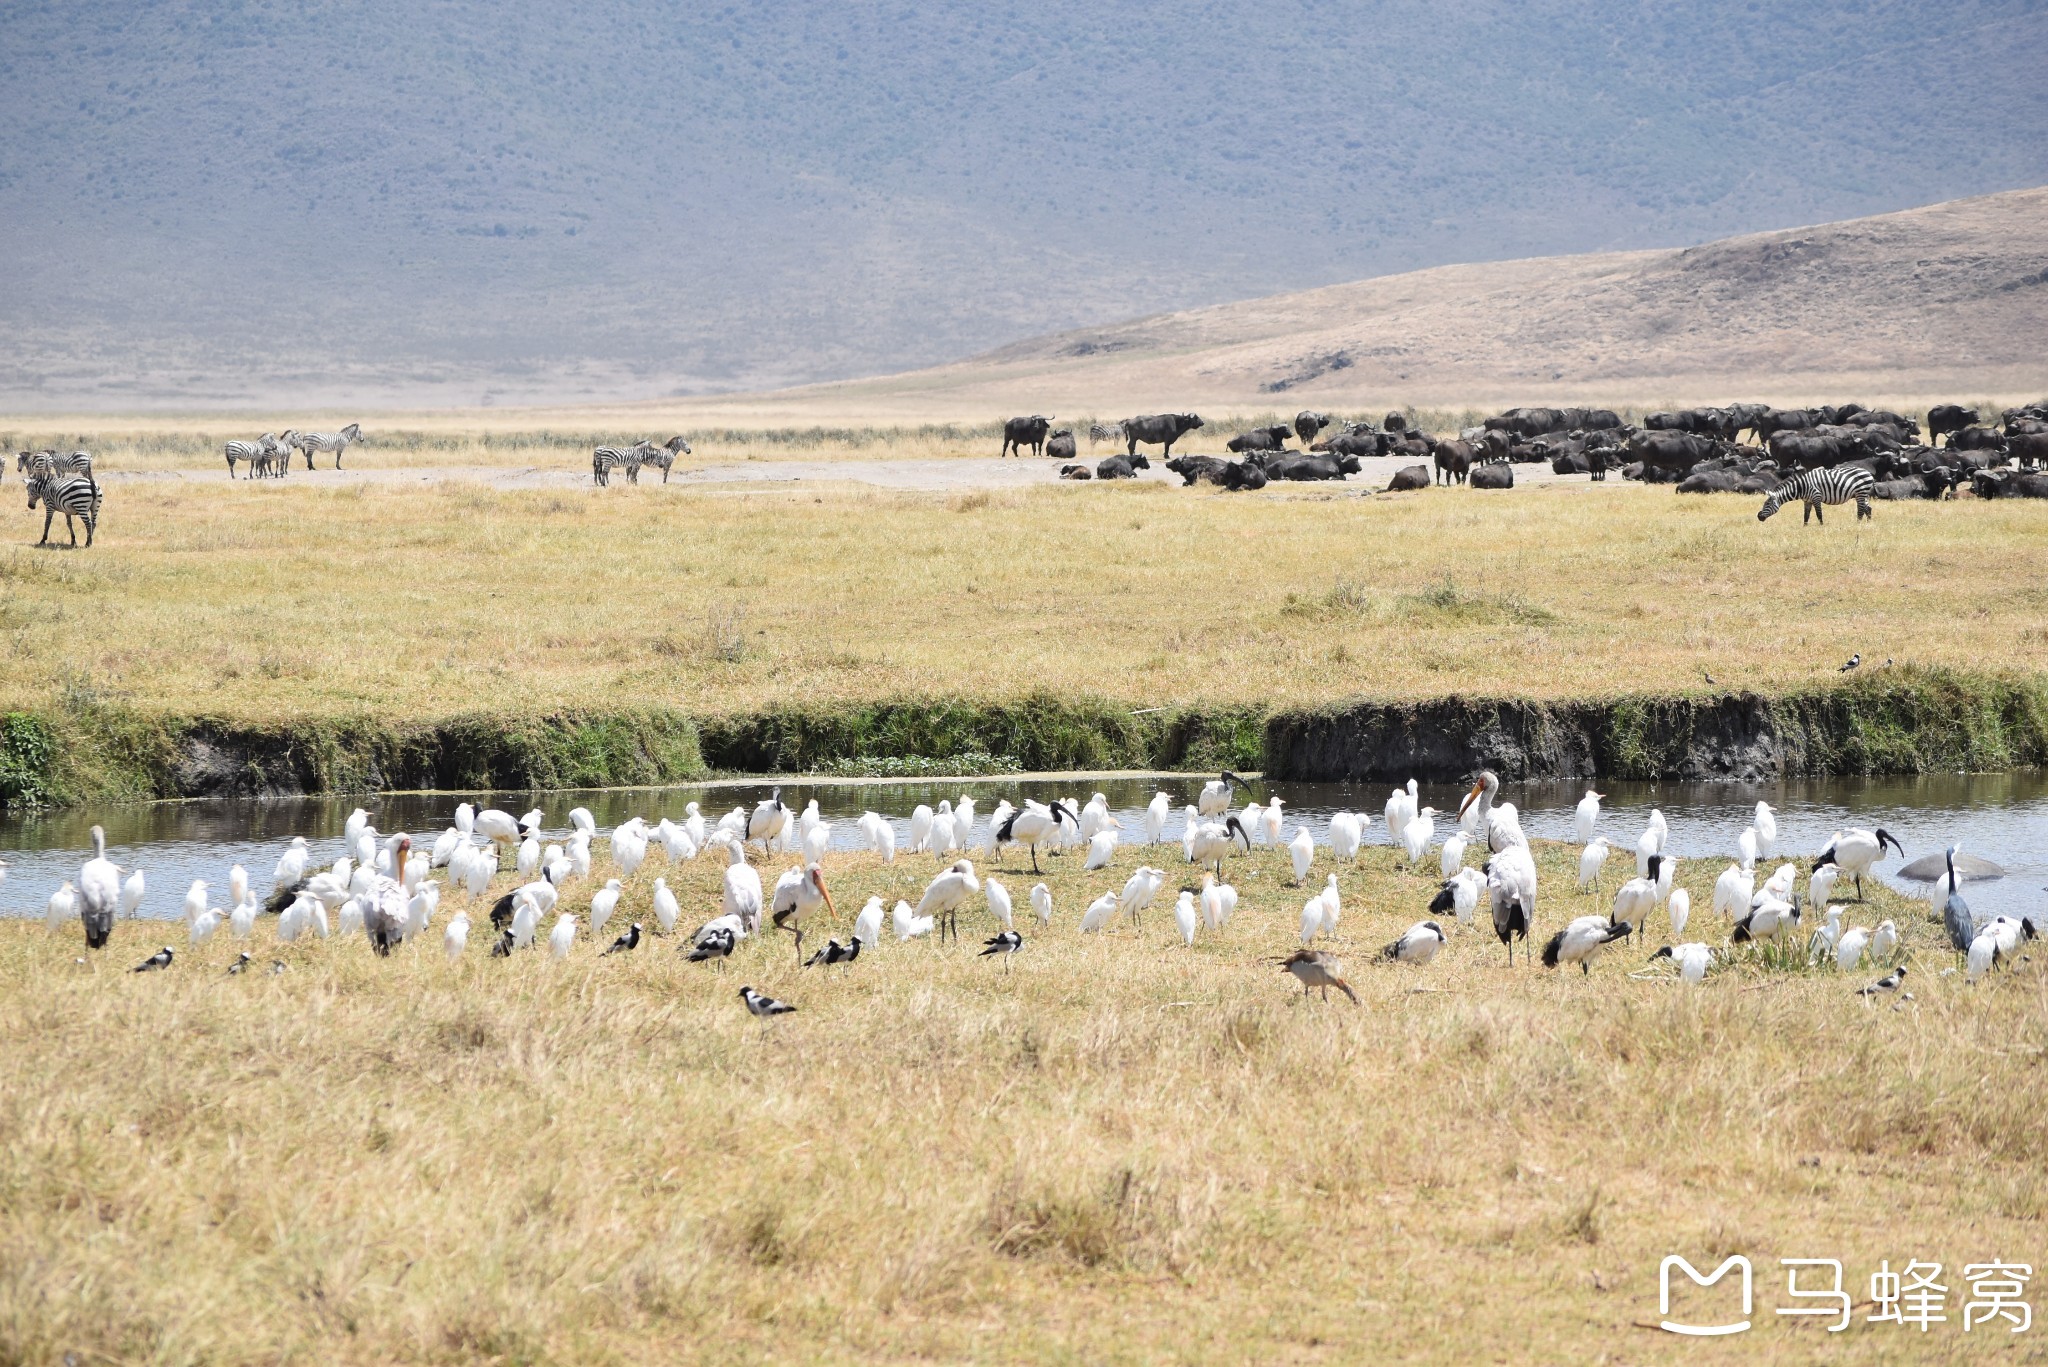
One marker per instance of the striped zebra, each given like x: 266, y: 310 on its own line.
x: 664, y: 455
x: 1831, y: 484
x: 606, y: 459
x: 1110, y: 432
x: 337, y: 442
x: 71, y: 495
x: 49, y: 462
x: 262, y: 455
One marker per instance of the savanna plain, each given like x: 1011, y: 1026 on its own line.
x: 1116, y: 1148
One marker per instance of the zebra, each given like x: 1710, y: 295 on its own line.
x: 1826, y: 484
x: 49, y: 462
x: 1109, y: 432
x: 337, y: 442
x: 628, y: 458
x: 262, y: 454
x: 72, y: 495
x: 664, y: 455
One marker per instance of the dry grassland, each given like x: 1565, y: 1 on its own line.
x: 1122, y: 1151
x: 278, y: 599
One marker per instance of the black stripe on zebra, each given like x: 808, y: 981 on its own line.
x: 50, y: 463
x: 71, y: 495
x: 337, y: 442
x: 262, y: 455
x: 1832, y: 484
x: 606, y: 459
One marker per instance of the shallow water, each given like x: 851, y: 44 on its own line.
x: 2001, y: 817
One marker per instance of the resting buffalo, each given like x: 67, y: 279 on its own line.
x: 1225, y: 474
x: 1290, y: 465
x: 2008, y: 484
x: 1409, y: 477
x: 1159, y: 429
x: 1121, y: 467
x: 1076, y: 472
x: 1354, y: 444
x: 1019, y: 433
x: 1060, y: 446
x: 1308, y: 422
x: 1674, y: 453
x: 1494, y: 477
x: 1260, y: 439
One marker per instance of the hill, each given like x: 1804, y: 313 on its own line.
x: 225, y: 204
x: 1949, y: 301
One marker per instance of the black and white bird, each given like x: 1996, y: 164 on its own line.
x: 1005, y: 944
x: 1768, y: 918
x: 762, y: 1005
x: 1511, y: 884
x: 1855, y: 851
x: 1418, y: 945
x: 1313, y: 968
x: 1035, y: 824
x: 1214, y: 799
x: 768, y: 819
x: 1997, y: 944
x: 713, y: 943
x: 625, y: 943
x: 1581, y: 941
x: 1692, y: 960
x: 1885, y: 986
x: 835, y: 953
x: 160, y: 959
x: 241, y: 963
x: 1854, y: 661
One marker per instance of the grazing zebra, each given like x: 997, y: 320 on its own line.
x: 337, y: 442
x: 606, y: 459
x: 263, y: 455
x: 71, y: 495
x: 664, y: 455
x: 1828, y: 484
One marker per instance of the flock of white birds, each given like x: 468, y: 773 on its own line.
x: 388, y: 890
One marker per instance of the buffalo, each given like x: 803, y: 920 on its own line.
x: 1292, y: 466
x: 1076, y: 472
x: 1159, y: 429
x: 1019, y: 433
x: 1409, y: 477
x: 1225, y: 474
x: 2028, y: 448
x: 1494, y: 477
x: 1395, y: 422
x: 1453, y: 460
x: 1060, y: 445
x: 1354, y: 444
x: 1272, y: 438
x: 1308, y: 422
x: 1121, y: 467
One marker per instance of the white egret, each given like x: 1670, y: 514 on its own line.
x: 1185, y: 918
x: 1041, y: 903
x: 998, y: 898
x: 1452, y: 857
x: 1416, y: 835
x: 1301, y: 852
x: 867, y: 926
x: 1590, y: 860
x: 1346, y: 835
x: 563, y: 937
x: 99, y: 893
x: 1586, y: 816
x: 666, y: 908
x: 456, y: 937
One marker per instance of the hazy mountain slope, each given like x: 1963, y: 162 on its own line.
x: 210, y: 202
x: 1949, y: 301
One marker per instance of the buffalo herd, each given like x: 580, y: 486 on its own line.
x: 1739, y: 448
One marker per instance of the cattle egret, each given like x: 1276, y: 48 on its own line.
x: 1780, y: 886
x: 132, y: 889
x: 1884, y: 941
x: 1581, y: 941
x: 242, y: 920
x: 1316, y: 969
x: 1345, y: 836
x: 292, y: 864
x: 209, y: 921
x: 1156, y: 812
x: 1766, y: 829
x: 742, y: 894
x: 1821, y: 886
x: 920, y: 828
x: 1272, y: 821
x: 195, y: 900
x: 456, y: 937
x: 1586, y: 816
x: 465, y: 817
x: 1138, y: 891
x: 998, y: 903
x: 1400, y: 810
x: 1822, y: 946
x: 867, y: 927
x: 1417, y: 945
x: 1680, y: 908
x: 1849, y: 947
x: 1856, y: 851
x: 1301, y: 852
x: 666, y: 908
x: 908, y: 925
x: 563, y: 937
x: 879, y: 835
x: 1041, y: 903
x: 1185, y: 917
x: 1253, y: 820
x: 1733, y: 890
x: 1416, y: 835
x: 1101, y: 848
x: 1313, y: 915
x: 1098, y: 913
x: 1452, y: 857
x: 1590, y: 860
x: 1746, y: 847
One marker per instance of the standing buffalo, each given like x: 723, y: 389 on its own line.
x: 1453, y: 460
x: 1308, y: 422
x: 1019, y: 433
x: 1159, y: 429
x: 1944, y: 418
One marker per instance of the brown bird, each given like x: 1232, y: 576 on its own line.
x: 1313, y: 968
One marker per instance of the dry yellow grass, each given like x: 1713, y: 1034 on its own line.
x: 277, y: 599
x: 1121, y: 1151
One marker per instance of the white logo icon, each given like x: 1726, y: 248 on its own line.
x: 1702, y: 1330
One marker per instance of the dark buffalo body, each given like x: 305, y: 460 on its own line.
x: 1060, y: 446
x: 1019, y: 433
x: 1121, y: 467
x: 1272, y: 438
x: 1159, y: 429
x: 1308, y: 423
x: 1409, y: 477
x: 1494, y: 477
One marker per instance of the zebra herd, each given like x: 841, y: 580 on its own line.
x: 61, y: 484
x: 270, y: 455
x: 629, y: 459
